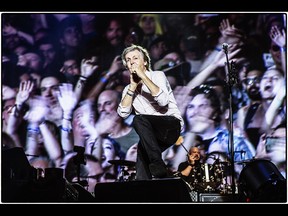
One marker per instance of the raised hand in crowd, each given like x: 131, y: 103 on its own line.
x: 24, y: 92
x: 278, y: 101
x: 278, y: 36
x: 218, y: 62
x: 116, y: 65
x: 88, y: 67
x: 272, y: 146
x: 68, y: 101
x: 38, y: 110
x: 230, y: 34
x: 106, y: 79
x: 37, y: 125
x: 9, y: 30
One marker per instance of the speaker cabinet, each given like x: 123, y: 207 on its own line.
x: 261, y: 181
x: 214, y: 197
x: 163, y: 190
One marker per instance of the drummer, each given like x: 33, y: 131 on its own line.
x: 189, y: 170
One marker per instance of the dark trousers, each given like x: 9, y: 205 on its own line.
x: 157, y: 133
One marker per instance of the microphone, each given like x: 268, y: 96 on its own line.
x: 225, y: 47
x: 136, y: 78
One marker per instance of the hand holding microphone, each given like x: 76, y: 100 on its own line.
x: 192, y: 158
x: 135, y: 77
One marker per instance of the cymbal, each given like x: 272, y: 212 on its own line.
x: 226, y: 163
x: 122, y: 162
x: 217, y: 155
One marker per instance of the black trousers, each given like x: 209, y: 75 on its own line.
x: 157, y: 133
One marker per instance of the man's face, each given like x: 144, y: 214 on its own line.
x: 70, y: 66
x: 107, y: 102
x: 199, y: 113
x: 49, y: 88
x: 48, y: 52
x: 252, y: 83
x: 114, y: 33
x: 269, y: 81
x: 148, y: 25
x: 194, y: 153
x: 31, y: 61
x: 72, y: 36
x: 135, y: 59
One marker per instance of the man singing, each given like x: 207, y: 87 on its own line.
x: 157, y: 120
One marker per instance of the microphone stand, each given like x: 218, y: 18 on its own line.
x: 78, y: 160
x: 230, y: 81
x: 184, y: 148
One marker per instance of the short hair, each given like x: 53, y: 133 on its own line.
x: 141, y: 50
x: 70, y: 21
x: 210, y: 93
x: 193, y: 147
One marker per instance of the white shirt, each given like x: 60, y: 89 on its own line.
x: 163, y: 104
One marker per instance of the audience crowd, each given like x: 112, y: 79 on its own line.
x: 62, y: 80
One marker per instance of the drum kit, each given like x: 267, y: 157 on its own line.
x: 213, y: 176
x: 127, y: 170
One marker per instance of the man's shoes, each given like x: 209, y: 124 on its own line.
x: 171, y: 174
x: 177, y: 174
x: 166, y: 177
x: 158, y: 171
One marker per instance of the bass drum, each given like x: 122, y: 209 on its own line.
x: 221, y: 167
x: 206, y: 182
x: 260, y: 180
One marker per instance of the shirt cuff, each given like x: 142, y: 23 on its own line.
x: 159, y: 93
